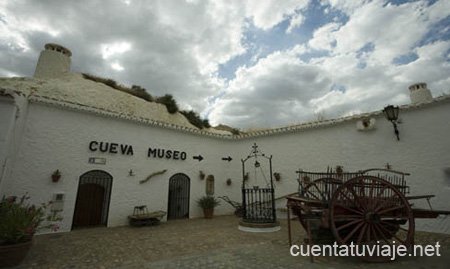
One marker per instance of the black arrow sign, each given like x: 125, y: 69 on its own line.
x: 227, y: 159
x: 199, y: 158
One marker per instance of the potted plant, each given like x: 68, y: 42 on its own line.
x: 56, y: 176
x: 208, y: 203
x: 18, y: 223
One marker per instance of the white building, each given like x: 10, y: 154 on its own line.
x: 105, y: 142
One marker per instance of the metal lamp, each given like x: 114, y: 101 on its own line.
x: 391, y: 113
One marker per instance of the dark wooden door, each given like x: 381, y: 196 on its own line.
x: 89, y: 205
x: 179, y: 185
x: 92, y: 204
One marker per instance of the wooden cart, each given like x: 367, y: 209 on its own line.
x: 141, y: 217
x: 367, y: 208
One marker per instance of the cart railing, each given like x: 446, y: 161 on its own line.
x: 322, y: 185
x: 396, y: 178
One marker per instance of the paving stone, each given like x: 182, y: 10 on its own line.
x: 199, y: 243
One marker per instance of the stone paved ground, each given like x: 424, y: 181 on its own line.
x: 198, y: 243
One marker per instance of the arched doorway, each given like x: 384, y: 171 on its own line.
x: 179, y: 187
x: 92, y: 204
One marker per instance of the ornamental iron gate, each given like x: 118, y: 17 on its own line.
x: 178, y: 208
x: 93, y: 198
x: 258, y: 202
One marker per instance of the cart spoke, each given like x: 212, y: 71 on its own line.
x: 374, y: 234
x: 353, y: 232
x: 355, y: 196
x: 382, y: 235
x: 393, y: 234
x: 391, y: 209
x: 362, y: 193
x: 361, y: 234
x: 386, y: 202
x: 346, y: 197
x: 380, y: 193
x: 350, y: 209
x: 347, y: 217
x: 371, y: 200
x: 348, y: 224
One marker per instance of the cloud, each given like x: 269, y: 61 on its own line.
x: 341, y: 59
x: 164, y: 46
x: 296, y: 20
x: 357, y: 71
x: 268, y: 13
x: 324, y: 37
x: 109, y: 50
x: 274, y: 92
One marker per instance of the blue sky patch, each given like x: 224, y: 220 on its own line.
x: 405, y: 58
x: 260, y: 43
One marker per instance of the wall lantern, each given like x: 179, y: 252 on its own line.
x: 391, y: 113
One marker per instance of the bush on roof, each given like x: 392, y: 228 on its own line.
x: 140, y: 92
x: 169, y: 102
x: 195, y: 119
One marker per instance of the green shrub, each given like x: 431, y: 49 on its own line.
x: 195, y: 119
x: 140, y: 92
x: 235, y: 131
x: 206, y: 123
x: 134, y: 90
x: 169, y: 102
x: 111, y: 83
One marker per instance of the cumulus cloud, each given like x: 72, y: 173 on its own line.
x: 295, y: 22
x: 164, y: 46
x: 333, y: 66
x: 268, y: 13
x: 274, y: 92
x: 358, y: 69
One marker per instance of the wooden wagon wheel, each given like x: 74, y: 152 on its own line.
x: 370, y: 211
x: 320, y: 189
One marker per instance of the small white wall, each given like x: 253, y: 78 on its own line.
x: 7, y: 113
x: 12, y: 120
x: 57, y: 138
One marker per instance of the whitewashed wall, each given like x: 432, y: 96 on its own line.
x: 13, y: 109
x: 57, y: 138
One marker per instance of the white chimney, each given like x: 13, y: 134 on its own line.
x: 53, y: 61
x: 419, y: 93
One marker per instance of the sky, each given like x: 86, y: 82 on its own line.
x: 245, y: 63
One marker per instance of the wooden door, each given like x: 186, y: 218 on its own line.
x: 92, y: 204
x: 89, y: 205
